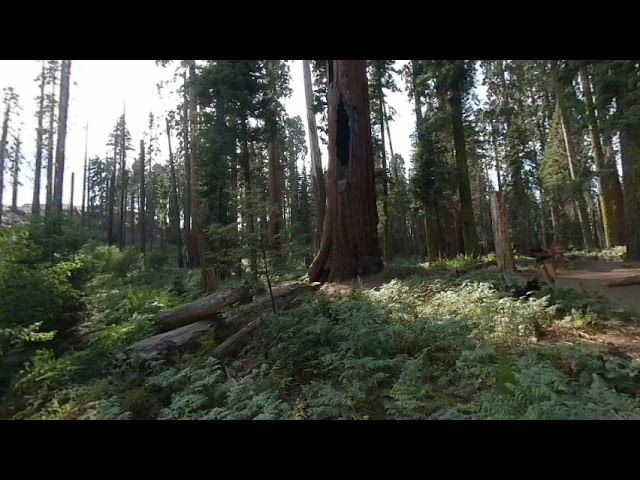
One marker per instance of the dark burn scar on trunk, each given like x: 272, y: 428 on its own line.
x: 343, y: 135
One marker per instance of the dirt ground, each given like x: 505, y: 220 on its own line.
x: 596, y: 274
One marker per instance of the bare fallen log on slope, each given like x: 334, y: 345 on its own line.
x: 180, y: 338
x: 200, y: 309
x: 186, y: 338
x: 625, y: 281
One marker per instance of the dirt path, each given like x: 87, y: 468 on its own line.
x: 595, y: 275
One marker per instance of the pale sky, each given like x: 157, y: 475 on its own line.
x: 98, y: 92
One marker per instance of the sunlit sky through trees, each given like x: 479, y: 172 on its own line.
x: 102, y: 88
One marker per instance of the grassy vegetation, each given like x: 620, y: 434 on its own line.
x: 427, y: 344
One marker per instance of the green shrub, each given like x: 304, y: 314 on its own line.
x: 157, y: 259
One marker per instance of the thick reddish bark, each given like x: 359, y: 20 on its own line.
x: 349, y: 245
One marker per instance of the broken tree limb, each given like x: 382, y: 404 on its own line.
x: 251, y: 316
x: 625, y: 281
x: 200, y: 309
x: 180, y: 338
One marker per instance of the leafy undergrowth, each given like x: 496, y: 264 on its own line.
x: 424, y: 347
x: 579, y: 258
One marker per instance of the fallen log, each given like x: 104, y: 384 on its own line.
x: 473, y: 268
x: 180, y: 338
x: 187, y: 336
x: 626, y: 281
x: 252, y: 316
x: 200, y: 309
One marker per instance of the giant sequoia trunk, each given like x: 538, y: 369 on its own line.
x: 62, y: 134
x: 349, y: 245
x: 314, y: 147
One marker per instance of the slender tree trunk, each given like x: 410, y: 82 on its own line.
x: 35, y: 204
x: 123, y: 209
x: 15, y: 175
x: 429, y: 207
x: 386, y: 228
x: 583, y: 215
x: 233, y: 210
x: 392, y: 158
x: 123, y: 182
x: 174, y: 198
x: 196, y: 203
x: 316, y: 160
x: 62, y: 133
x: 467, y: 219
x: 73, y: 179
x: 142, y: 212
x: 3, y: 151
x: 630, y: 155
x: 50, y: 158
x: 248, y: 200
x: 293, y: 187
x: 520, y: 208
x: 132, y: 217
x: 393, y: 163
x: 112, y: 195
x: 611, y: 233
x: 187, y: 166
x: 274, y: 200
x: 494, y: 143
x: 85, y: 174
x: 617, y: 198
x: 349, y: 245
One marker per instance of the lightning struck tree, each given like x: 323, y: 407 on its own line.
x: 349, y: 244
